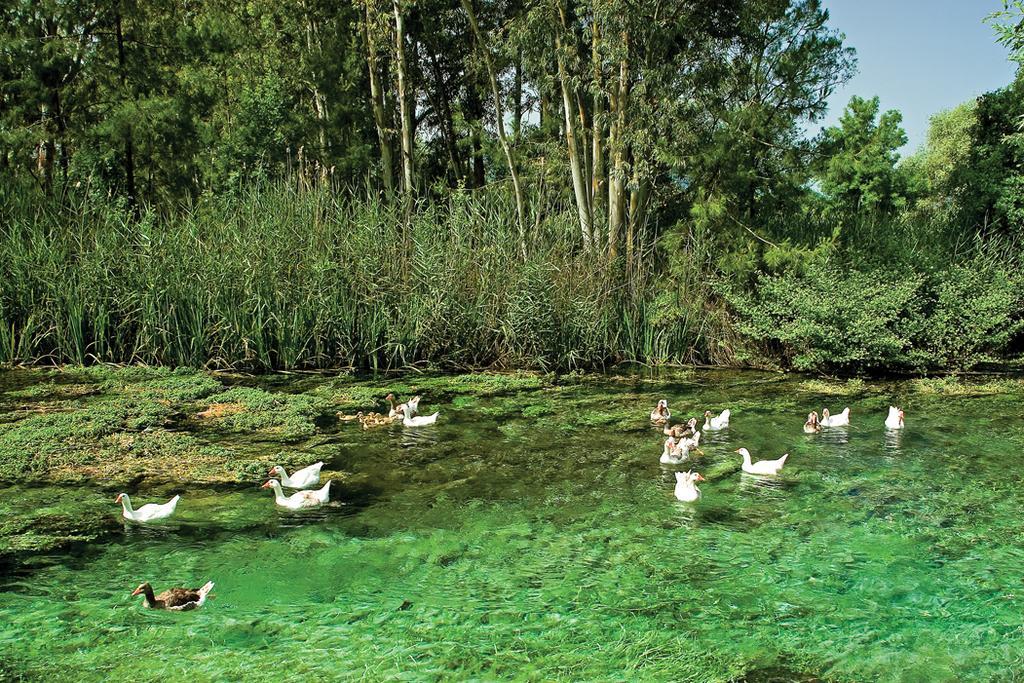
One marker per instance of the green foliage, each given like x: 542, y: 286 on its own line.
x: 285, y: 415
x: 834, y: 319
x: 977, y: 312
x: 858, y: 158
x: 828, y: 319
x: 1009, y: 26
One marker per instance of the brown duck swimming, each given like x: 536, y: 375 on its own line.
x: 682, y: 431
x: 397, y: 409
x: 179, y: 599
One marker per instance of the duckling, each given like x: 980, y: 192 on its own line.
x: 371, y: 420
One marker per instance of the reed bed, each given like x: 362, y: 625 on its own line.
x: 279, y: 277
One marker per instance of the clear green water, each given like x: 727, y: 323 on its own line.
x: 550, y: 546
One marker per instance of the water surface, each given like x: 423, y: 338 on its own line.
x: 535, y: 536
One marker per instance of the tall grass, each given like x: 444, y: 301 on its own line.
x: 279, y: 278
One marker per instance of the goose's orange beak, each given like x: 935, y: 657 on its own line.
x: 137, y: 591
x: 266, y: 485
x: 700, y: 477
x: 119, y: 497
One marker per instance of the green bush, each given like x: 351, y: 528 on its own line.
x: 842, y: 320
x: 976, y: 314
x: 829, y: 320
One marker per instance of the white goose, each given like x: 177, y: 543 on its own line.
x: 306, y: 478
x: 761, y: 466
x: 713, y: 424
x: 150, y: 512
x: 895, y: 418
x: 299, y: 499
x: 673, y: 454
x: 686, y: 486
x: 690, y: 443
x: 419, y: 420
x: 661, y: 413
x: 840, y: 420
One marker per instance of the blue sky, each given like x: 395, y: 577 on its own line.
x: 919, y: 56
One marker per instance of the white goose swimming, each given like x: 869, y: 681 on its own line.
x: 299, y: 499
x: 895, y: 418
x: 840, y: 420
x: 713, y: 424
x: 686, y: 486
x: 690, y: 443
x: 419, y: 420
x: 150, y: 512
x: 661, y: 413
x: 761, y: 466
x: 306, y: 478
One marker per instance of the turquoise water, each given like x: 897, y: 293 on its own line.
x: 535, y: 536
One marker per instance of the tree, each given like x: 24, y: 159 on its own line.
x: 1009, y: 27
x: 857, y: 166
x: 939, y: 173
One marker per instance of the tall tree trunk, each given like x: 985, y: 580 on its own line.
x: 517, y: 96
x: 474, y: 117
x: 45, y: 150
x: 499, y: 114
x: 637, y: 215
x: 597, y: 178
x: 579, y: 184
x: 617, y: 180
x: 314, y: 45
x: 442, y: 104
x: 408, y: 185
x: 380, y: 112
x: 129, y: 144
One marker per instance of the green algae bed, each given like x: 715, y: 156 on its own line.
x: 531, y: 534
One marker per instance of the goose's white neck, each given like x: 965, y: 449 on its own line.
x: 746, y: 457
x: 126, y: 503
x: 276, y: 486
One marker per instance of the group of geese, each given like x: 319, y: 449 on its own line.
x: 685, y: 438
x: 305, y: 479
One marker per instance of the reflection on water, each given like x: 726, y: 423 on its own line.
x: 514, y: 541
x: 762, y: 485
x: 893, y: 440
x: 834, y: 435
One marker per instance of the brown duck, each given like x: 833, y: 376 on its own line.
x: 179, y: 599
x: 682, y: 431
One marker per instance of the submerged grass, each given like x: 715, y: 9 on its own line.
x: 532, y: 534
x: 953, y: 385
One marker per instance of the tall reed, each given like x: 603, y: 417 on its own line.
x: 278, y: 278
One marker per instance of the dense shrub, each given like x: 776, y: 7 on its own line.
x: 836, y: 319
